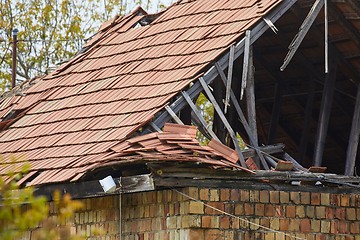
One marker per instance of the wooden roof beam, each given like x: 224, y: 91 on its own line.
x: 212, y: 73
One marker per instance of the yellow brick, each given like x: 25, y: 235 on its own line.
x: 269, y: 236
x: 196, y: 207
x: 325, y: 199
x: 214, y: 195
x: 190, y: 221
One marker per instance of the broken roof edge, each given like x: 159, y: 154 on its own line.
x: 210, y: 179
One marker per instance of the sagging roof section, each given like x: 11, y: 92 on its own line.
x: 73, y: 116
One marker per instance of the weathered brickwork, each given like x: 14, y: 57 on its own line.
x: 169, y: 215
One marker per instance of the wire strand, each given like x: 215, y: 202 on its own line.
x: 231, y: 215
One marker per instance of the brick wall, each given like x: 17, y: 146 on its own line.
x: 170, y: 215
x: 309, y: 215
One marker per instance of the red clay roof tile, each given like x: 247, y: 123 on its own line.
x: 105, y: 94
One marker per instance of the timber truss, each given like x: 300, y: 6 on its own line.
x: 223, y: 70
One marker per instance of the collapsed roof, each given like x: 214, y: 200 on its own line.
x: 69, y: 123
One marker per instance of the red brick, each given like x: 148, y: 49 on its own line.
x: 334, y: 227
x: 284, y: 224
x: 305, y: 225
x: 343, y: 227
x: 355, y: 228
x: 300, y: 211
x: 329, y: 213
x: 239, y: 209
x: 305, y: 198
x: 224, y: 194
x: 204, y: 194
x: 214, y: 206
x: 234, y: 195
x: 259, y: 209
x: 269, y: 210
x: 315, y: 198
x: 334, y: 200
x: 225, y: 222
x: 290, y: 211
x: 249, y: 209
x: 340, y: 213
x: 206, y: 221
x: 264, y: 196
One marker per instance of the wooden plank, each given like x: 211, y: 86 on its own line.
x: 229, y: 77
x: 199, y: 116
x: 79, y: 190
x: 242, y: 118
x: 247, y: 184
x: 324, y: 116
x: 212, y: 73
x: 156, y: 128
x: 326, y: 33
x: 304, y: 28
x: 250, y: 98
x: 224, y: 120
x: 173, y: 115
x: 354, y: 138
x: 245, y: 63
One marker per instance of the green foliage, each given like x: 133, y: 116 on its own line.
x: 207, y: 111
x: 52, y: 31
x: 21, y: 211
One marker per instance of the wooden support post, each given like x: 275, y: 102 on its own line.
x: 229, y: 77
x: 324, y: 116
x: 242, y: 118
x: 173, y: 115
x: 354, y: 138
x: 199, y: 116
x: 275, y: 114
x: 223, y: 118
x: 246, y: 61
x: 304, y: 28
x: 250, y: 101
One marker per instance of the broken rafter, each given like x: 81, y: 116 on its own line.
x: 324, y: 116
x: 173, y: 115
x: 243, y: 119
x: 245, y: 63
x: 304, y: 28
x: 212, y: 73
x: 229, y: 77
x: 199, y: 116
x: 224, y: 120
